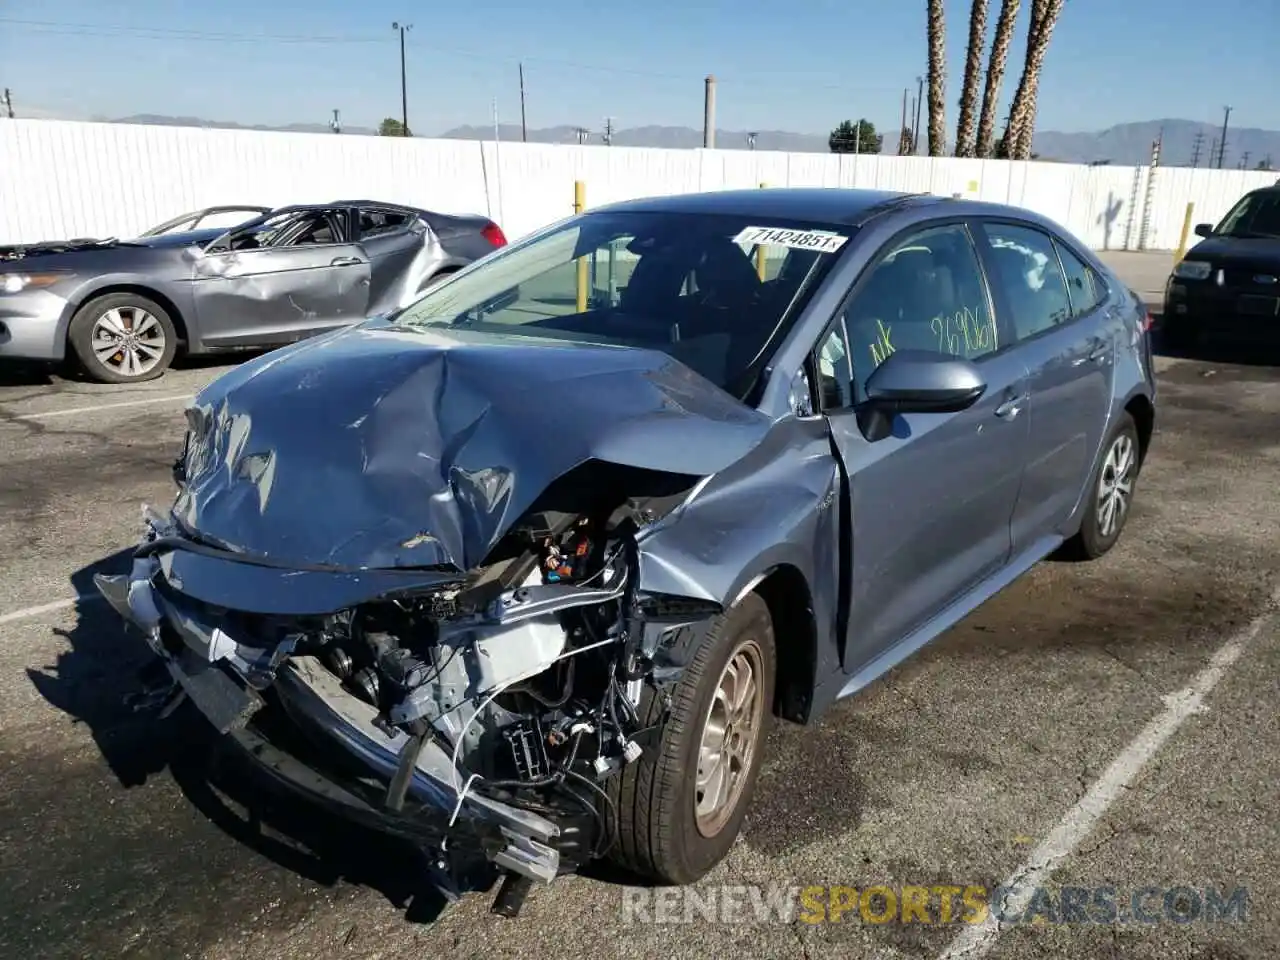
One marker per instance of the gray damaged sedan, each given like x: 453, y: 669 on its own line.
x: 122, y: 309
x: 523, y: 573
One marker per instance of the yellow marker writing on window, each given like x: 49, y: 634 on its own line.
x: 881, y: 346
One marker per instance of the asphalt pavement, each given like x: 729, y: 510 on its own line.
x: 1105, y: 726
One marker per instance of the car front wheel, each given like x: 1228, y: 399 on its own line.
x: 680, y: 807
x: 122, y: 338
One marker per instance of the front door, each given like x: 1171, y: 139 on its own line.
x: 1052, y: 304
x: 929, y: 505
x: 304, y: 279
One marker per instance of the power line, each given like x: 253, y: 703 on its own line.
x: 59, y: 28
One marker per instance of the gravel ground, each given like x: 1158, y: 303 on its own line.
x: 950, y: 770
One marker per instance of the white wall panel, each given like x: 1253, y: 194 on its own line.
x: 63, y: 179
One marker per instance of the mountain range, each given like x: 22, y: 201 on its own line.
x: 1124, y: 144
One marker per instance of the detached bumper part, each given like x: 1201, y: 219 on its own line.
x: 220, y: 676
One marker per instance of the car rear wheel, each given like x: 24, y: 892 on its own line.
x: 681, y: 805
x: 1111, y: 493
x: 122, y: 338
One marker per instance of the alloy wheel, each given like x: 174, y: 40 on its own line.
x: 1115, y: 485
x: 128, y: 341
x: 730, y: 738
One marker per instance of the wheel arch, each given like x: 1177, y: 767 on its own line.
x: 785, y: 591
x: 1143, y: 411
x: 138, y: 289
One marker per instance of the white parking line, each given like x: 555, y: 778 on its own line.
x: 44, y: 415
x: 26, y: 612
x: 977, y: 940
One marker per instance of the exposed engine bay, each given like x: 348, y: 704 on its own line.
x: 502, y: 702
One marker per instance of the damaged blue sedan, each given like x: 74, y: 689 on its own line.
x: 523, y: 572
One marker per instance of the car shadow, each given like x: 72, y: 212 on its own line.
x: 1216, y: 349
x: 93, y: 680
x: 29, y: 373
x: 34, y: 373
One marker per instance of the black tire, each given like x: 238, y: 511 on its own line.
x: 80, y: 338
x: 1093, y: 539
x: 658, y: 835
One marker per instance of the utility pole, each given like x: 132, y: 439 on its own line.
x: 751, y: 140
x: 709, y: 113
x: 404, y: 89
x: 607, y: 136
x: 1195, y: 149
x: 582, y: 133
x: 524, y: 130
x: 915, y: 129
x: 902, y: 129
x: 1222, y: 141
x: 336, y: 123
x: 8, y: 103
x: 1244, y: 160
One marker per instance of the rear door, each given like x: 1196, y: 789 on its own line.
x: 1067, y: 340
x: 396, y: 243
x: 929, y: 506
x: 281, y: 279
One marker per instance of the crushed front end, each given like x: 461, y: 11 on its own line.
x: 478, y: 715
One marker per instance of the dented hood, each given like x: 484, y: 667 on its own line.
x: 382, y: 446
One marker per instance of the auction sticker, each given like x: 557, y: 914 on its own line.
x: 824, y: 241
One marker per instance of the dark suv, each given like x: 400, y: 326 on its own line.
x: 1230, y: 281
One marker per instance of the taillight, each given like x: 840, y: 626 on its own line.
x: 1148, y: 321
x: 493, y: 233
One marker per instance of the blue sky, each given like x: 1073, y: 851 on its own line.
x: 801, y: 65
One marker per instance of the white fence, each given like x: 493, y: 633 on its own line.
x: 63, y: 179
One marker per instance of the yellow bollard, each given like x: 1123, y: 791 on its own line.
x: 760, y: 260
x: 580, y: 204
x: 1182, y: 240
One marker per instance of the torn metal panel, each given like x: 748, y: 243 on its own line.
x: 290, y: 290
x: 286, y: 274
x: 399, y: 448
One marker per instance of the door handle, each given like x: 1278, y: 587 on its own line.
x: 345, y: 262
x: 1011, y: 407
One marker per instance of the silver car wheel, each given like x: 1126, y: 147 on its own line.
x: 128, y: 341
x: 1115, y: 485
x: 730, y: 736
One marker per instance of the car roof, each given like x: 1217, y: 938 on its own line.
x: 825, y: 204
x: 835, y: 205
x: 384, y: 204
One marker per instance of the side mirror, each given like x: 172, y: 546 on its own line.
x: 921, y: 381
x: 1204, y: 229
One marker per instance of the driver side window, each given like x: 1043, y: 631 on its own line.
x: 926, y: 293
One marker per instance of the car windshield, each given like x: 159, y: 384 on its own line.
x: 715, y: 291
x: 1256, y: 215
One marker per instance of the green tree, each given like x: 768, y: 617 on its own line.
x: 391, y: 127
x: 851, y: 137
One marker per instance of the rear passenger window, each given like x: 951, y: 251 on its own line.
x: 1027, y: 271
x: 927, y: 293
x: 376, y: 223
x: 1082, y: 282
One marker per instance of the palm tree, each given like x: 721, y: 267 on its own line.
x: 995, y: 76
x: 972, y: 70
x: 1022, y: 114
x: 937, y: 79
